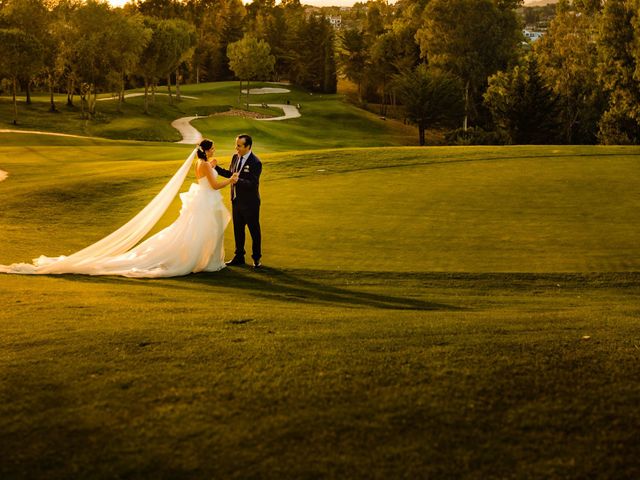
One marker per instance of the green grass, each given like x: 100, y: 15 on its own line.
x: 423, y: 313
x: 327, y: 120
x: 130, y: 124
x: 449, y: 209
x: 307, y: 374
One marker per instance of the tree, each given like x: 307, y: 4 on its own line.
x: 330, y: 78
x: 54, y: 66
x: 31, y: 17
x: 406, y: 51
x: 179, y: 40
x: 430, y: 97
x: 88, y: 33
x: 376, y: 19
x: 354, y: 57
x: 472, y: 39
x: 392, y: 52
x: 186, y: 45
x: 18, y: 49
x: 619, y: 72
x: 250, y: 59
x: 277, y: 38
x: 383, y: 53
x: 567, y: 58
x: 589, y: 7
x: 231, y: 27
x: 217, y: 23
x: 147, y: 66
x: 127, y: 41
x: 170, y: 40
x: 293, y: 24
x: 162, y: 9
x: 66, y: 35
x: 261, y: 20
x: 315, y: 67
x: 522, y: 106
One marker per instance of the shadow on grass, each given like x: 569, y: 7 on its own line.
x: 297, y: 286
x: 384, y: 290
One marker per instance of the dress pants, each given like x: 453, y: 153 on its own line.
x: 247, y: 217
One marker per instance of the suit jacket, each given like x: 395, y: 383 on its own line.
x: 245, y: 193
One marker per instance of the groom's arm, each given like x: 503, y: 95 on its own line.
x: 223, y: 172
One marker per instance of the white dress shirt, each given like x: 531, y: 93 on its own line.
x: 242, y: 161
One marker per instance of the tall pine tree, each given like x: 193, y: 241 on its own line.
x: 619, y: 72
x: 567, y: 59
x: 522, y: 106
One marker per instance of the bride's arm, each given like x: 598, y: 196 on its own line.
x: 213, y: 181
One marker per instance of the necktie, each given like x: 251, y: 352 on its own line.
x: 236, y: 168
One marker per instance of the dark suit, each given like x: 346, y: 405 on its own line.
x: 245, y: 203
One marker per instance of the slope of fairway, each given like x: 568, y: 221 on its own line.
x: 327, y: 120
x: 422, y: 313
x: 455, y: 209
x: 459, y: 209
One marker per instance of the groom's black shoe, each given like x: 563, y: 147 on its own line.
x: 257, y: 264
x: 235, y: 261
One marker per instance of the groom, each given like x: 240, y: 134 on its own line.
x: 245, y: 199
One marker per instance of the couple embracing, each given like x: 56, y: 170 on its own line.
x: 245, y: 198
x: 194, y: 242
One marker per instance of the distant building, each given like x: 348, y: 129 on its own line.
x: 532, y: 36
x: 336, y: 22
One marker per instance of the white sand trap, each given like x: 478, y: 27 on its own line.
x: 263, y: 90
x: 3, y: 175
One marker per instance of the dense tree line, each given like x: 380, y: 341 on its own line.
x: 88, y: 47
x: 457, y: 64
x: 579, y: 84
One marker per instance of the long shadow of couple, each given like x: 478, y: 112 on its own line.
x: 297, y: 286
x: 315, y: 286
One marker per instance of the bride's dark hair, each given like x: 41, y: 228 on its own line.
x: 204, y: 145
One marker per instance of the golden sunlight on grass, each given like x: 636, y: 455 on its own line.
x: 417, y: 306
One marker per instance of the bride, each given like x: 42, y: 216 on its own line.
x: 193, y: 243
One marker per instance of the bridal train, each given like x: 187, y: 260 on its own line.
x: 192, y: 243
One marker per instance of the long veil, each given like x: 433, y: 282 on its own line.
x: 123, y: 238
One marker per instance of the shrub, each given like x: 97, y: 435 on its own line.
x: 475, y: 136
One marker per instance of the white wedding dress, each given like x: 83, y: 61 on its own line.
x: 193, y: 243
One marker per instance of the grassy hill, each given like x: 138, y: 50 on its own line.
x: 326, y: 122
x: 450, y: 209
x: 450, y: 312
